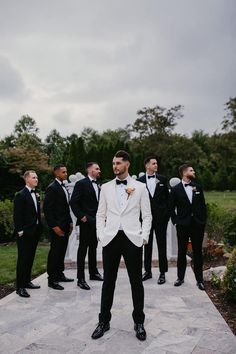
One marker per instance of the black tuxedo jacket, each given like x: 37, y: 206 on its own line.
x: 56, y: 208
x: 182, y: 210
x: 84, y: 201
x: 160, y: 200
x: 25, y: 214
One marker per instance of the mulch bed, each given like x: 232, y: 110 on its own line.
x: 226, y: 308
x: 5, y: 290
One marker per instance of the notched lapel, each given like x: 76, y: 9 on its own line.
x: 30, y: 199
x: 182, y: 190
x: 129, y: 197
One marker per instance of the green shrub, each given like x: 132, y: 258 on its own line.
x: 215, y: 222
x: 6, y: 220
x: 230, y: 231
x: 221, y: 225
x: 215, y: 281
x: 229, y: 280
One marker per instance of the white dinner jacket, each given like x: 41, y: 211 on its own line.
x: 110, y: 216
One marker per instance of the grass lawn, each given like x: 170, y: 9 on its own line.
x: 8, y: 256
x: 226, y: 200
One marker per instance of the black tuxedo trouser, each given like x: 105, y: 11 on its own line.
x: 56, y: 255
x: 87, y: 240
x: 195, y: 232
x: 160, y: 232
x: 122, y: 246
x: 26, y: 246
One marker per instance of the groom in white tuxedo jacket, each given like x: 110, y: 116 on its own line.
x: 122, y: 201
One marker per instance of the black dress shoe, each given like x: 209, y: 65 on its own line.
x: 161, y: 279
x: 22, y: 292
x: 146, y: 276
x: 178, y: 282
x: 83, y: 285
x: 200, y: 285
x: 96, y: 277
x: 140, y: 331
x: 54, y: 285
x: 64, y: 279
x: 30, y: 285
x: 100, y: 330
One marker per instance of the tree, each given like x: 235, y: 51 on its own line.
x: 26, y: 124
x: 76, y: 158
x: 229, y: 120
x: 26, y: 133
x: 55, y: 147
x: 157, y: 120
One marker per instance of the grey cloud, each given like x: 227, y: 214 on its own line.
x: 12, y: 84
x: 100, y: 61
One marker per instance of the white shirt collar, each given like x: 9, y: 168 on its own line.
x: 91, y: 179
x: 29, y: 189
x: 60, y: 182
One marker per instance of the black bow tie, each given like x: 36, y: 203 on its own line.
x: 188, y: 184
x: 32, y: 191
x: 93, y: 181
x: 153, y: 176
x: 62, y: 184
x: 118, y: 181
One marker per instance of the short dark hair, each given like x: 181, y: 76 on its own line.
x: 57, y: 167
x: 149, y: 158
x: 89, y: 164
x: 183, y: 167
x: 123, y: 154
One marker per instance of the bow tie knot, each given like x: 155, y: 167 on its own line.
x: 93, y: 181
x: 62, y: 184
x: 152, y: 176
x: 32, y: 191
x: 118, y: 182
x: 188, y: 184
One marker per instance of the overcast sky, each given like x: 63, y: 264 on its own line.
x: 70, y: 64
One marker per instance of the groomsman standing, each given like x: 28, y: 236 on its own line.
x: 57, y: 213
x: 28, y: 228
x: 84, y: 204
x: 121, y: 234
x: 159, y: 199
x: 188, y: 213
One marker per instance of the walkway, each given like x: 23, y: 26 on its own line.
x: 178, y: 320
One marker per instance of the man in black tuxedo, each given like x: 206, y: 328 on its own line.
x: 188, y: 213
x: 84, y: 204
x: 159, y: 200
x: 28, y: 228
x: 57, y: 213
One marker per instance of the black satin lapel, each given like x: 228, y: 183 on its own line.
x: 183, y: 192
x: 30, y: 199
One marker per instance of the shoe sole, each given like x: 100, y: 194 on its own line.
x: 55, y: 288
x: 83, y: 288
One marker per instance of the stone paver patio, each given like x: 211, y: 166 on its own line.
x: 178, y: 320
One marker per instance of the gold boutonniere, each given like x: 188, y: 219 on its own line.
x: 129, y: 191
x: 37, y: 195
x: 194, y: 189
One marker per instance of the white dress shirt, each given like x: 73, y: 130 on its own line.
x: 151, y: 184
x: 188, y: 191
x: 95, y: 186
